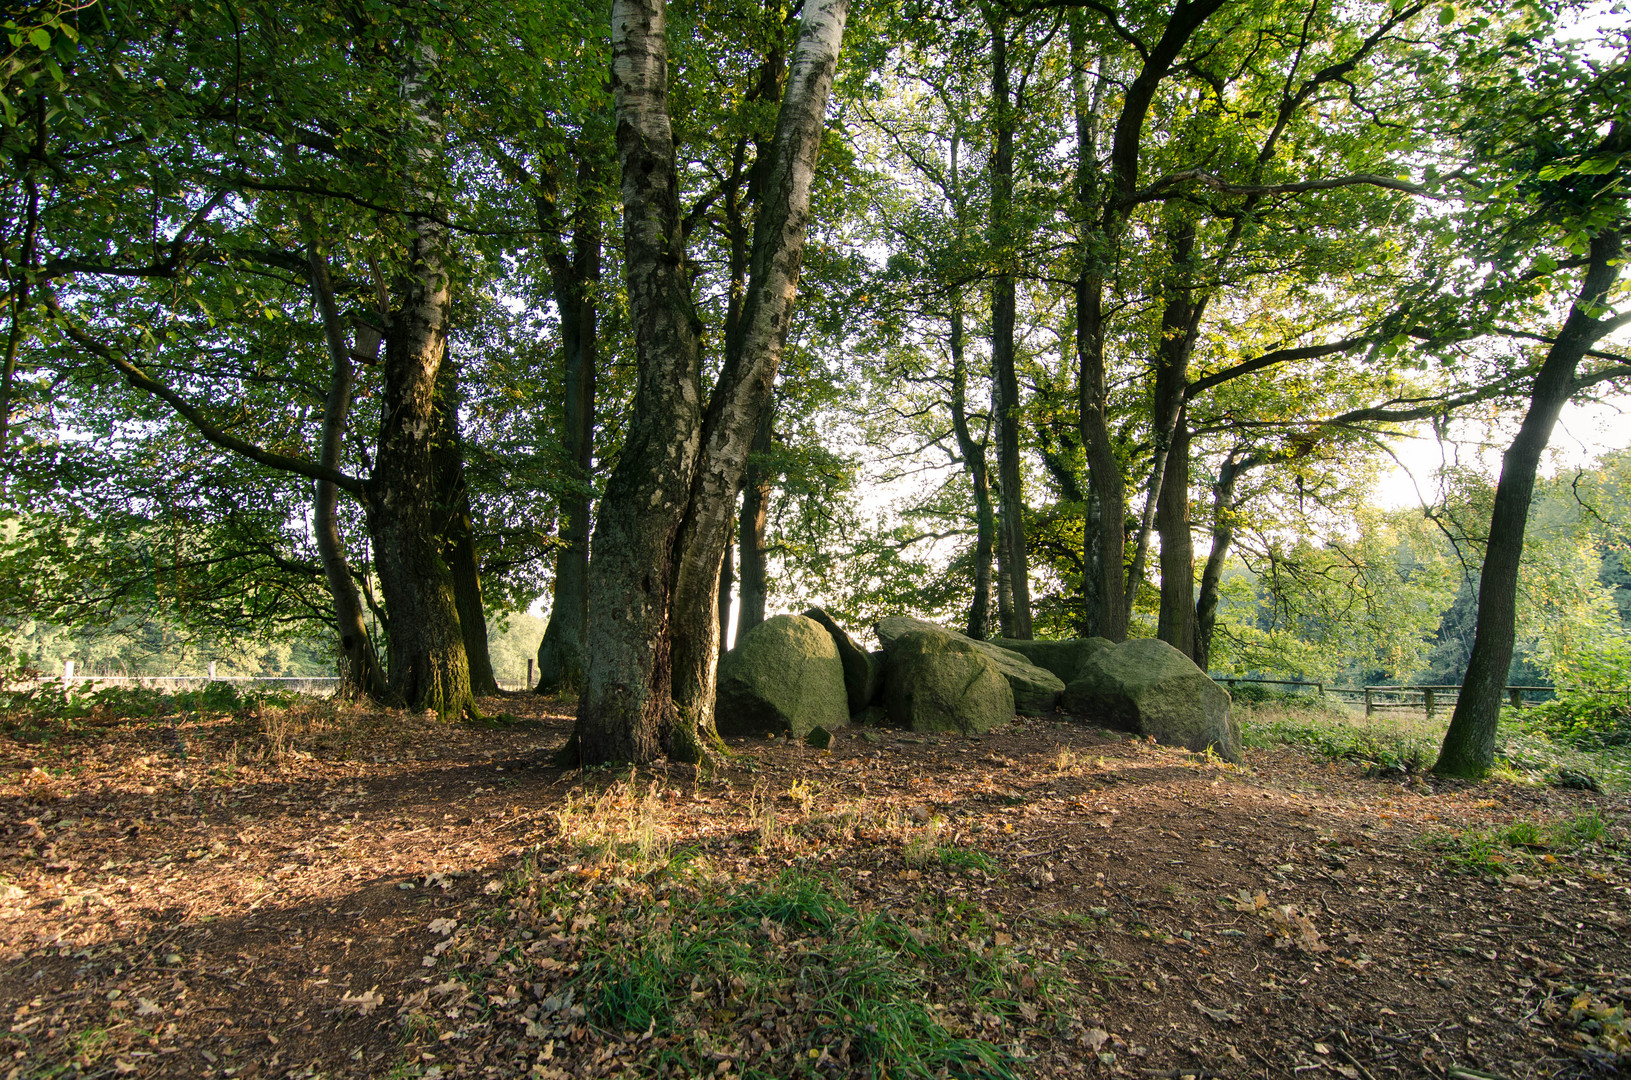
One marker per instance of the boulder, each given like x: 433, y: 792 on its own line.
x: 1036, y: 689
x: 863, y: 671
x: 1064, y: 658
x: 1149, y: 687
x: 935, y: 681
x: 783, y: 676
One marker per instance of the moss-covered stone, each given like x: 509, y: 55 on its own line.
x: 1149, y: 687
x: 783, y: 676
x: 1064, y: 658
x: 863, y: 672
x: 941, y: 682
x: 1036, y: 689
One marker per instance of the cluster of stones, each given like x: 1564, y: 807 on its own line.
x: 804, y: 676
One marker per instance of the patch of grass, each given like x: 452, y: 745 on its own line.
x: 1499, y: 850
x: 1339, y: 736
x: 788, y: 979
x: 621, y: 823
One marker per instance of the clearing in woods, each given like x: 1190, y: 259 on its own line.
x: 299, y: 891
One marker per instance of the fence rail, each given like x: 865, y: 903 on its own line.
x: 1400, y: 696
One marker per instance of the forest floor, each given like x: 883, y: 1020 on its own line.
x: 304, y: 892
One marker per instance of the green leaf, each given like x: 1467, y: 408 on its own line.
x: 1446, y: 15
x: 41, y: 37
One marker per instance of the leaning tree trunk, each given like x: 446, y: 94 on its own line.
x: 626, y: 699
x: 360, y: 672
x: 560, y: 654
x: 458, y: 537
x: 972, y: 451
x: 753, y: 589
x: 428, y: 665
x: 744, y: 391
x: 1223, y: 537
x: 1469, y: 745
x: 1012, y: 558
x: 1176, y: 623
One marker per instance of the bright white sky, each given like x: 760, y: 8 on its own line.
x: 1584, y: 432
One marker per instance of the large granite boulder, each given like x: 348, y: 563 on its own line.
x: 863, y: 671
x: 1036, y: 689
x: 1064, y: 658
x: 783, y: 676
x: 1149, y: 687
x: 935, y: 681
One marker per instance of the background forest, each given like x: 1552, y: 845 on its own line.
x: 321, y: 346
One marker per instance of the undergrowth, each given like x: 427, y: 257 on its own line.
x: 787, y: 978
x: 1529, y: 846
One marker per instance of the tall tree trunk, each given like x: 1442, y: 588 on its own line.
x: 428, y: 665
x: 626, y: 697
x: 754, y: 588
x: 726, y: 580
x: 973, y: 454
x: 1168, y: 498
x: 1012, y: 556
x: 360, y: 672
x: 458, y: 536
x: 1103, y: 586
x: 1469, y: 745
x: 574, y: 283
x: 1176, y: 624
x: 1223, y: 536
x: 745, y: 382
x: 1101, y: 216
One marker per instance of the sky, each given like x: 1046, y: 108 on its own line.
x: 1584, y: 432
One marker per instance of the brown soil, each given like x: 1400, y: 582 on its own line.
x: 254, y: 896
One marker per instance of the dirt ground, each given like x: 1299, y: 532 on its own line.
x: 273, y: 895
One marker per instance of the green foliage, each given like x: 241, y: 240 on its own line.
x: 1337, y: 739
x: 1531, y: 846
x: 864, y: 981
x: 1588, y: 719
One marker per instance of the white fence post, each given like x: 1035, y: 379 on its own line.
x: 67, y: 672
x: 212, y: 671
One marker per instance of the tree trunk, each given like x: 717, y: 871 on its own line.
x: 1176, y: 624
x: 574, y: 282
x: 754, y: 588
x: 1469, y: 745
x: 743, y: 392
x: 458, y: 537
x: 1223, y: 536
x: 726, y: 580
x: 626, y: 697
x: 1012, y: 559
x: 428, y: 665
x: 973, y: 454
x: 1103, y: 586
x: 359, y: 668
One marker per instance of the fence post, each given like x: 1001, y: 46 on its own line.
x: 212, y: 671
x: 1368, y: 705
x: 1516, y: 694
x: 67, y: 672
x: 529, y: 674
x: 1427, y: 696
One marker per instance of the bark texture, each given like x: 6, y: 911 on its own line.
x: 574, y: 281
x: 1469, y: 745
x: 1176, y: 623
x: 626, y: 699
x: 458, y: 536
x: 360, y: 672
x: 428, y: 665
x: 745, y: 383
x: 754, y: 588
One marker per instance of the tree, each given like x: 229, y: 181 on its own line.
x: 1555, y: 158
